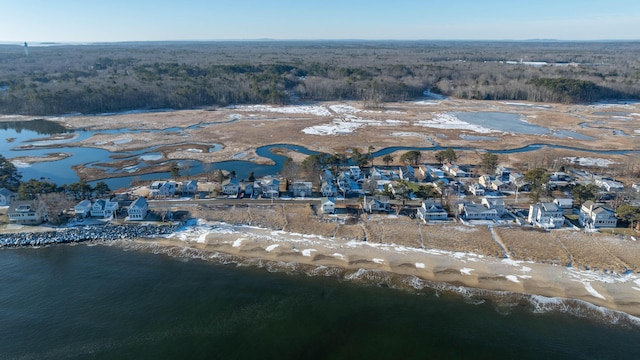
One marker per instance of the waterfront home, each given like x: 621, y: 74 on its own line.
x: 231, y: 187
x: 566, y: 204
x: 407, y: 173
x: 301, y: 188
x: 327, y: 205
x: 270, y: 188
x: 375, y: 174
x: 6, y: 197
x: 138, y: 209
x: 189, y: 187
x: 82, y: 209
x: 431, y: 210
x: 473, y: 211
x: 485, y: 181
x: 503, y: 174
x: 328, y: 189
x: 163, y: 188
x: 596, y: 216
x: 499, y: 185
x: 27, y: 213
x: 376, y: 203
x: 496, y: 203
x: 546, y: 215
x: 104, y: 208
x: 355, y: 172
x: 455, y: 170
x: 327, y: 176
x: 434, y: 172
x: 476, y: 189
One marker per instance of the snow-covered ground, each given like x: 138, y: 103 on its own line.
x: 590, y: 161
x: 450, y: 121
x: 294, y: 109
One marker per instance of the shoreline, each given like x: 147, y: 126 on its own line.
x: 285, y: 251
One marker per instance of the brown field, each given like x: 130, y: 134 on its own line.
x: 533, y: 245
x: 241, y: 130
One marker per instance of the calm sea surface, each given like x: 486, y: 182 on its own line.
x: 67, y: 302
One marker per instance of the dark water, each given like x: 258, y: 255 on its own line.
x: 100, y: 302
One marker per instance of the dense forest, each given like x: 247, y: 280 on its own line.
x: 98, y: 78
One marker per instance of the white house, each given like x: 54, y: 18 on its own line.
x: 27, y: 213
x: 476, y: 189
x: 431, y: 210
x: 496, y: 203
x: 595, y: 216
x: 477, y: 212
x: 355, y: 172
x: 231, y: 187
x: 301, y: 188
x: 376, y: 203
x: 328, y: 189
x: 189, y: 187
x: 270, y: 188
x: 6, y: 197
x: 138, y: 209
x: 566, y: 204
x: 327, y: 205
x: 82, y: 209
x: 546, y: 215
x: 163, y: 188
x: 104, y: 208
x: 407, y: 173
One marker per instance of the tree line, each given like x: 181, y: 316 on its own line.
x: 108, y: 78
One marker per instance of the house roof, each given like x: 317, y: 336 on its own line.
x: 5, y: 192
x: 141, y: 201
x: 547, y: 206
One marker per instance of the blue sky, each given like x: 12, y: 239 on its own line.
x: 141, y: 20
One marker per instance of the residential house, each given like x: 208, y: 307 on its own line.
x: 189, y: 187
x: 270, y: 188
x: 546, y: 215
x: 328, y: 189
x: 327, y: 205
x: 519, y: 182
x: 636, y: 187
x: 503, y: 174
x: 431, y: 210
x: 82, y: 209
x: 138, y: 209
x: 435, y: 173
x: 499, y: 185
x: 27, y: 213
x: 474, y: 211
x: 485, y: 181
x: 496, y: 203
x: 6, y: 197
x: 407, y: 173
x: 327, y: 176
x: 231, y: 187
x: 459, y: 172
x: 163, y: 188
x: 355, y: 171
x: 596, y: 216
x: 376, y: 203
x: 375, y: 174
x: 301, y: 188
x: 476, y: 189
x: 566, y: 204
x: 104, y: 208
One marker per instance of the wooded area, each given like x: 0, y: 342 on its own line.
x: 100, y: 78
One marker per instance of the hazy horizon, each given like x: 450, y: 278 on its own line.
x: 73, y: 21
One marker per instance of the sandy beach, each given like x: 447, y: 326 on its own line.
x: 353, y: 259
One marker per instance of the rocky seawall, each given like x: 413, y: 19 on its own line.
x: 85, y: 233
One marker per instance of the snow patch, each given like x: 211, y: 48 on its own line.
x: 466, y: 271
x: 307, y: 252
x: 592, y: 291
x: 270, y: 248
x: 378, y: 261
x: 237, y: 243
x: 420, y: 265
x: 512, y: 278
x: 294, y: 109
x: 338, y: 256
x: 452, y: 122
x: 344, y: 109
x: 590, y: 161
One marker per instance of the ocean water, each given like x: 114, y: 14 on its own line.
x: 114, y: 302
